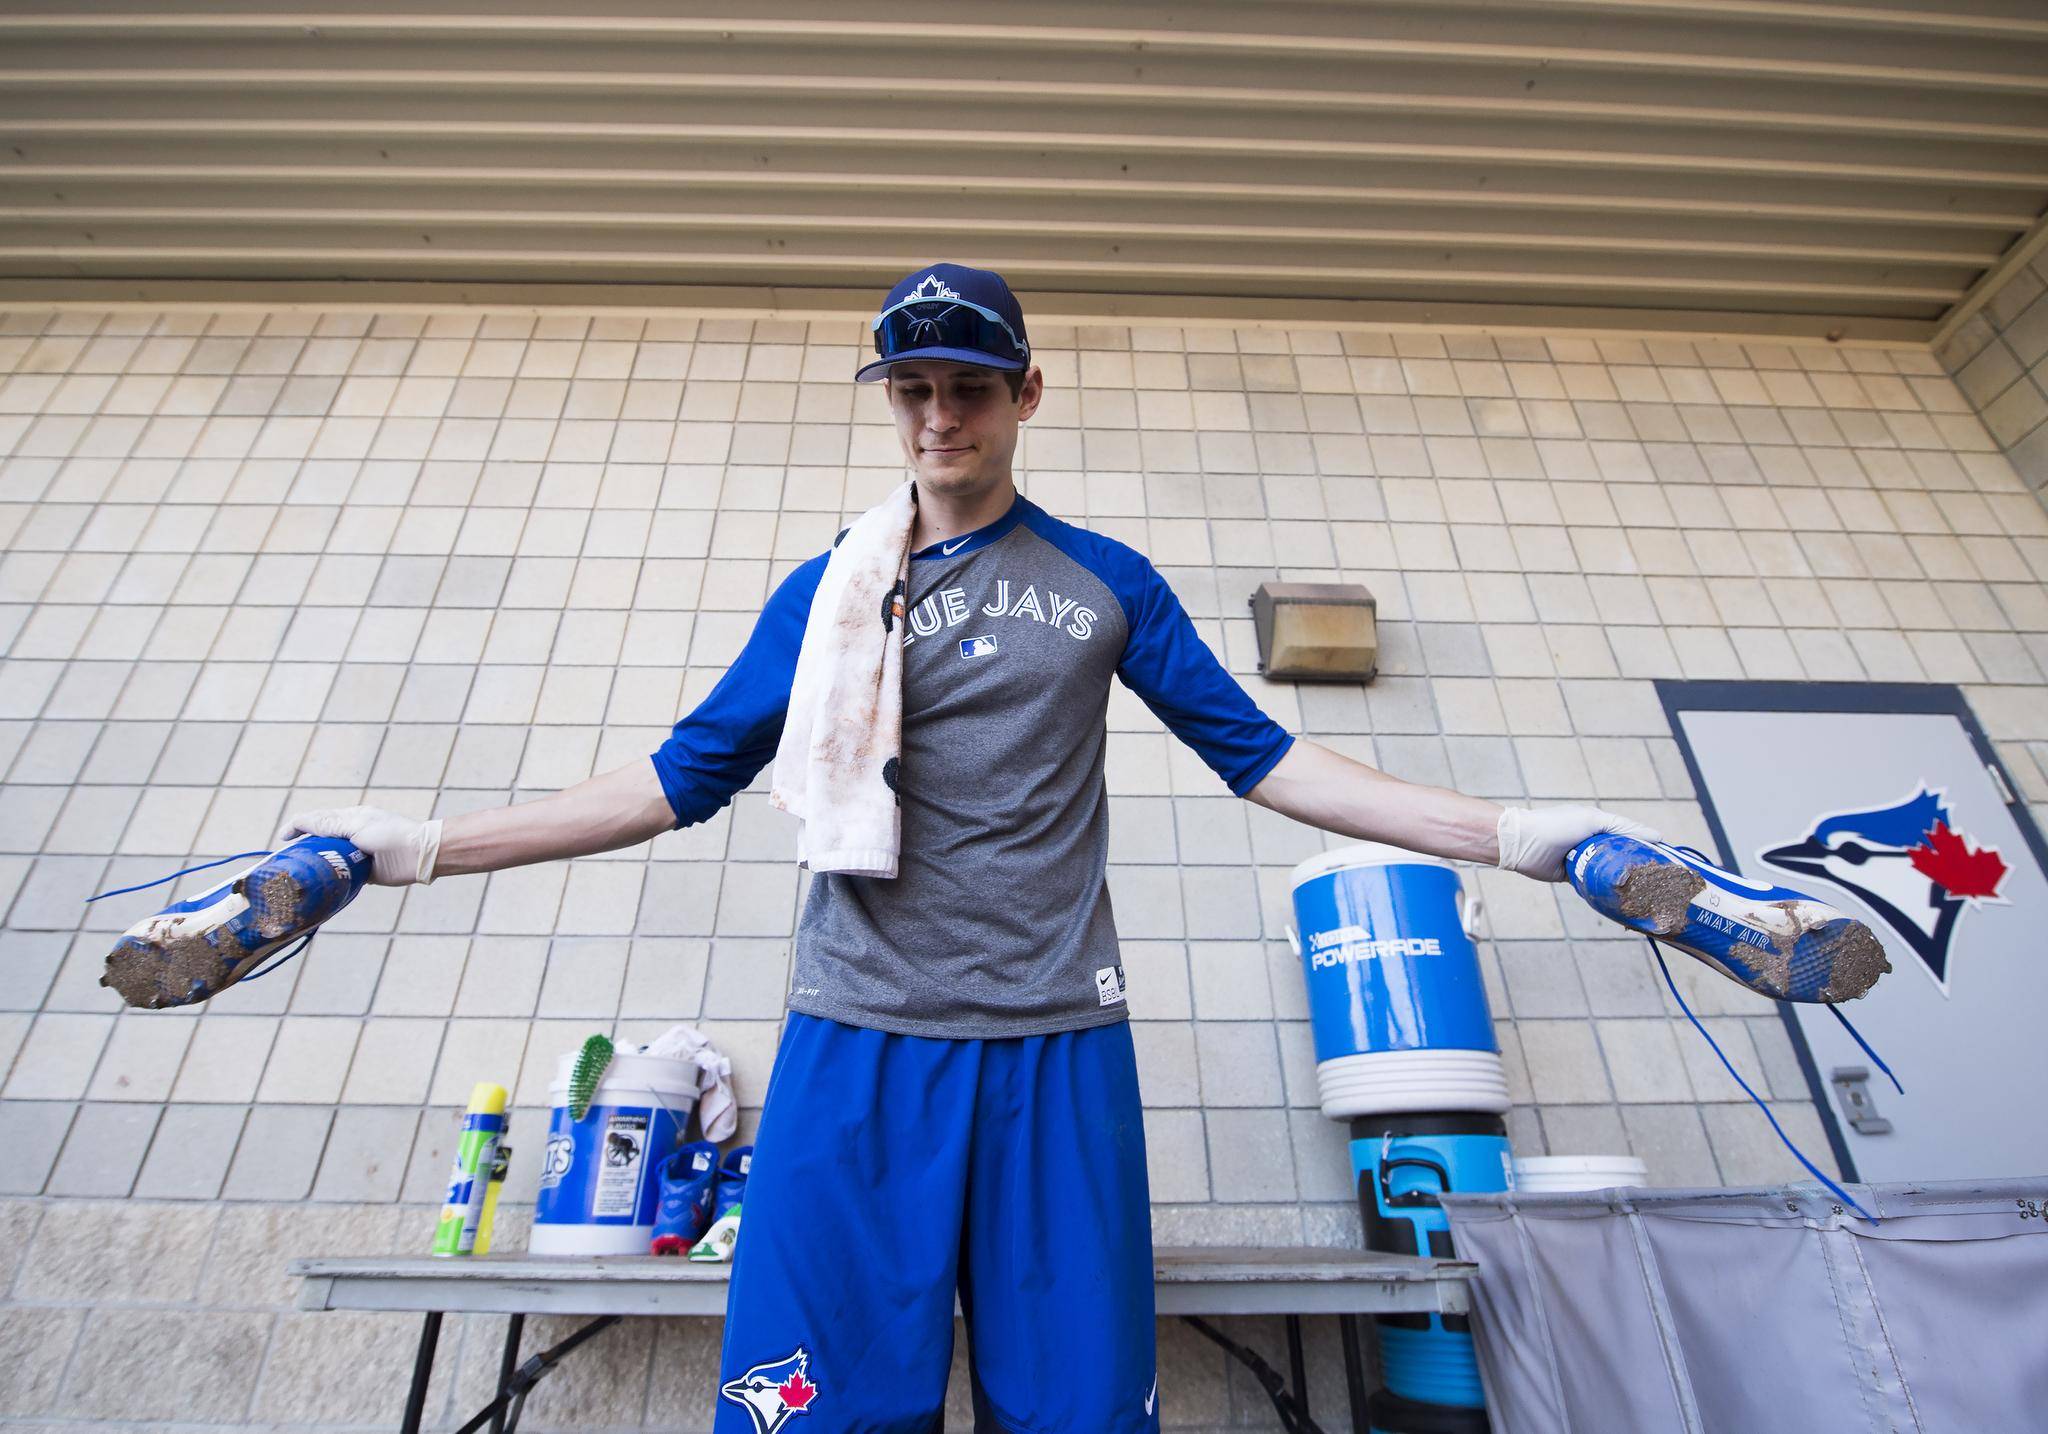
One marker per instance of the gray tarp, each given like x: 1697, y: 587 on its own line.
x: 1754, y: 1311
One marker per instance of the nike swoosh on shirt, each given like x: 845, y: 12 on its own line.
x: 1153, y: 1396
x: 946, y: 549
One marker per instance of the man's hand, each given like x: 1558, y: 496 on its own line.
x: 401, y: 850
x: 1534, y: 842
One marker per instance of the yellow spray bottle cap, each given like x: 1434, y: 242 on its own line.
x: 487, y: 1099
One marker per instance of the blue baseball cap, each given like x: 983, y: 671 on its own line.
x: 949, y: 313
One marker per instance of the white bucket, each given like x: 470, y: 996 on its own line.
x: 1397, y: 1082
x: 1556, y: 1174
x: 600, y: 1183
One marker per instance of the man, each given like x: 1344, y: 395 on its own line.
x: 954, y: 1103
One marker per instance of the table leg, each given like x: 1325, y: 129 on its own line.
x: 1354, y: 1372
x: 422, y: 1370
x: 507, y: 1362
x: 1297, y: 1368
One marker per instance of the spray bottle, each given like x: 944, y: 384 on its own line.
x: 498, y: 1169
x: 469, y: 1178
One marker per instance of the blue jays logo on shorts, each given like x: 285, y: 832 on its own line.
x: 1907, y: 863
x: 984, y: 646
x: 773, y: 1393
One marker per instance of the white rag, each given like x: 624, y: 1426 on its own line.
x: 835, y: 768
x: 718, y: 1110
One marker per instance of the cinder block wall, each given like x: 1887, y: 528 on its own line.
x: 256, y: 561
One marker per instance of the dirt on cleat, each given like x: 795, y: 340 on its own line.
x: 174, y: 972
x: 1658, y: 893
x: 1857, y: 958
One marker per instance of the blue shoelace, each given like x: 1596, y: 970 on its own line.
x: 203, y: 866
x: 1657, y: 950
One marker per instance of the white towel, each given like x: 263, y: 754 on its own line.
x: 835, y: 768
x: 718, y: 1111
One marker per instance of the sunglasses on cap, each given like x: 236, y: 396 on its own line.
x: 916, y: 324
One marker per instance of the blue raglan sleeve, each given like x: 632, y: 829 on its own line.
x: 731, y: 735
x: 1168, y: 665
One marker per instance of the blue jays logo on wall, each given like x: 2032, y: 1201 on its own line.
x: 1907, y: 863
x: 773, y: 1393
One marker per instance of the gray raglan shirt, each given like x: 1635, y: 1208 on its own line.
x: 998, y: 922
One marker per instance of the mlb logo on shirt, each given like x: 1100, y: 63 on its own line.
x: 978, y: 646
x: 1109, y: 986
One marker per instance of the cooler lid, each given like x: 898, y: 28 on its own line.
x: 1365, y: 853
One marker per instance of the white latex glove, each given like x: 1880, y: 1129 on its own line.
x: 402, y: 851
x: 1534, y: 841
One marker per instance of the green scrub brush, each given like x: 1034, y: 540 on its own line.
x: 590, y: 1067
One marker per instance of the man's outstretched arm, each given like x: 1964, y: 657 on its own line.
x: 1312, y: 784
x: 608, y: 811
x: 712, y: 753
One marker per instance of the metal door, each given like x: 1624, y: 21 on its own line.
x: 1884, y: 801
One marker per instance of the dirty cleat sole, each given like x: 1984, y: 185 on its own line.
x: 1778, y: 942
x: 192, y: 950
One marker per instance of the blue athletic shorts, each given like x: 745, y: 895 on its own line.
x: 889, y: 1171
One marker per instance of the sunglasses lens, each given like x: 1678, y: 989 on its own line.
x: 944, y: 325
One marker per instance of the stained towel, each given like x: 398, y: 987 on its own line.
x: 835, y: 768
x: 718, y: 1112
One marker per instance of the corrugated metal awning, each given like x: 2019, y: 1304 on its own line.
x: 1798, y: 165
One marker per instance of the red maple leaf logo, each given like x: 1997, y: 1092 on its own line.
x: 796, y: 1391
x: 1958, y: 868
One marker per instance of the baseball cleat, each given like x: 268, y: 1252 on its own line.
x: 1778, y: 942
x: 195, y: 949
x: 718, y: 1242
x: 689, y: 1179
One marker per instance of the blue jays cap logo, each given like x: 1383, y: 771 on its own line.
x: 773, y: 1393
x: 949, y: 313
x: 932, y: 287
x: 1907, y: 864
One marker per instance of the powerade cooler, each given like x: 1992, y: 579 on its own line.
x: 1406, y: 1055
x: 1396, y: 1004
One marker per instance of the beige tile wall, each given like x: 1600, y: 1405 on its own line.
x: 1999, y: 357
x: 254, y: 561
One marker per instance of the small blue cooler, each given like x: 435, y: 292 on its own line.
x: 1401, y: 1163
x: 1395, y: 998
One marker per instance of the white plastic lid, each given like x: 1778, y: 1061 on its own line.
x: 659, y: 1075
x: 1557, y: 1174
x: 1365, y: 853
x: 1578, y: 1164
